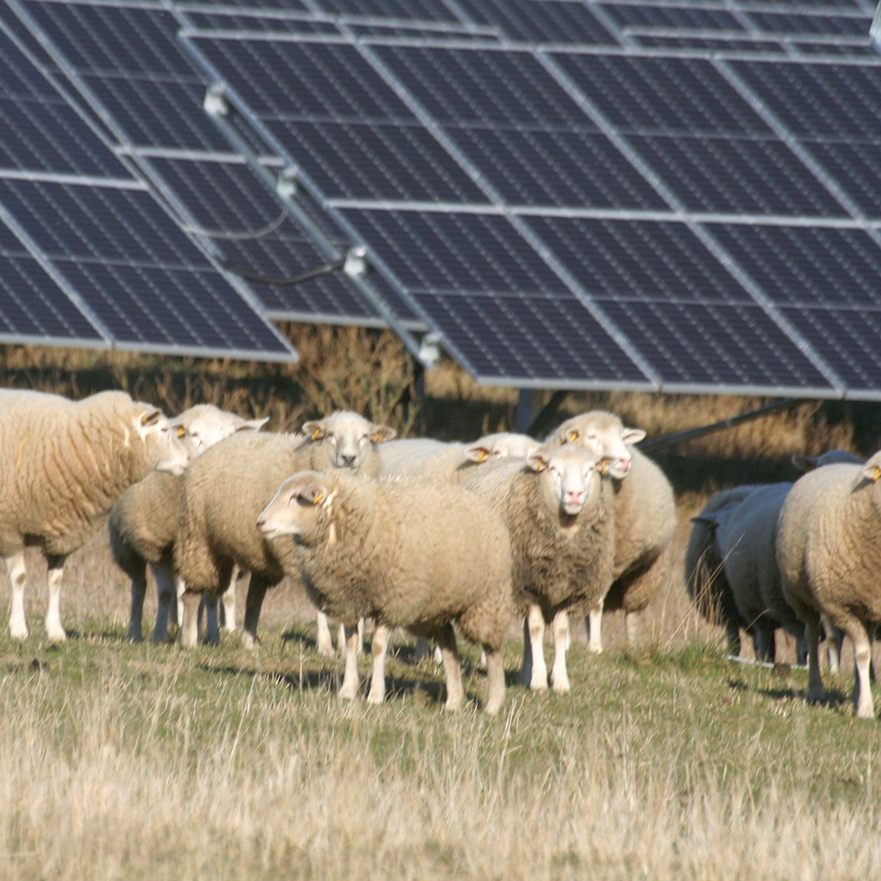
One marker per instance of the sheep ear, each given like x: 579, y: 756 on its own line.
x: 315, y: 430
x: 253, y: 424
x: 632, y: 435
x: 537, y: 461
x: 478, y: 454
x: 871, y: 470
x: 313, y: 493
x: 570, y: 436
x: 151, y: 417
x: 181, y: 431
x: 381, y: 433
x: 603, y: 464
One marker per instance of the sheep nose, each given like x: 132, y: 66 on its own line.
x: 574, y: 496
x: 347, y: 460
x: 624, y: 464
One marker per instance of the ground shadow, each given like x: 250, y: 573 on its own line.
x: 835, y: 698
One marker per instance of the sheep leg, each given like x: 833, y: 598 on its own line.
x: 228, y: 610
x: 212, y: 625
x: 732, y: 638
x: 559, y: 674
x: 378, y: 648
x: 632, y: 626
x: 495, y: 678
x: 862, y: 659
x: 763, y: 641
x: 18, y: 628
x: 833, y: 643
x: 176, y: 615
x: 816, y: 692
x: 253, y: 605
x: 351, y: 684
x: 422, y: 650
x: 190, y: 623
x: 594, y: 622
x: 54, y: 630
x: 166, y: 596
x: 324, y: 642
x: 534, y: 671
x: 136, y: 615
x: 446, y: 639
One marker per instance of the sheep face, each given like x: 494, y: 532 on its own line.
x: 568, y: 477
x: 204, y: 425
x: 347, y: 437
x: 605, y: 435
x: 165, y: 451
x: 299, y: 508
x: 502, y: 445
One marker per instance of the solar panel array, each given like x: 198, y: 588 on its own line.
x: 680, y: 195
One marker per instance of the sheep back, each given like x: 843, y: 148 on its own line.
x: 223, y: 492
x: 412, y: 554
x: 64, y: 463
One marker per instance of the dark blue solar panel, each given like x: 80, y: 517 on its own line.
x: 857, y: 169
x: 581, y: 169
x: 712, y: 44
x: 847, y: 339
x: 802, y: 265
x: 642, y: 260
x: 555, y: 21
x: 637, y: 15
x: 737, y: 175
x: 251, y: 22
x: 423, y: 10
x: 819, y: 100
x: 51, y: 136
x: 31, y: 303
x: 716, y: 344
x: 229, y: 198
x: 848, y: 50
x: 134, y: 267
x: 811, y: 25
x: 484, y: 87
x: 358, y: 160
x: 660, y: 94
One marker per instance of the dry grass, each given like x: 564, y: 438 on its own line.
x: 667, y: 762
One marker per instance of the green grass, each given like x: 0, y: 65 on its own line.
x: 139, y: 761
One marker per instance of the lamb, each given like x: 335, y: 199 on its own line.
x: 411, y: 554
x: 228, y: 486
x: 64, y: 465
x: 737, y: 530
x: 559, y: 515
x: 143, y: 521
x: 829, y: 557
x: 645, y: 516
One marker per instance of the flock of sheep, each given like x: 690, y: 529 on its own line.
x: 420, y: 534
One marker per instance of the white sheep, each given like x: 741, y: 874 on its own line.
x: 410, y: 554
x: 143, y: 521
x: 645, y: 516
x: 560, y: 519
x: 64, y: 464
x: 229, y: 485
x: 450, y: 462
x: 829, y: 558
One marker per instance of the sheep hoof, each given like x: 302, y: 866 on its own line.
x: 347, y: 693
x: 538, y: 685
x: 594, y: 649
x: 816, y: 697
x: 18, y: 632
x: 326, y: 651
x: 249, y: 642
x: 56, y: 635
x: 375, y: 698
x: 562, y: 687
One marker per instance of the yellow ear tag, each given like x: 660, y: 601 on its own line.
x: 877, y: 474
x: 144, y: 419
x: 573, y: 437
x: 317, y: 498
x: 603, y: 467
x: 181, y: 431
x: 482, y: 456
x: 316, y: 433
x: 376, y: 439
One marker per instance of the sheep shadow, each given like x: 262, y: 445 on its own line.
x: 835, y: 698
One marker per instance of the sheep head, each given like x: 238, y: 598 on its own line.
x: 604, y: 434
x: 347, y: 438
x: 569, y: 476
x: 163, y: 449
x: 302, y: 507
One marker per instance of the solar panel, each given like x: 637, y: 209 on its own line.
x: 565, y: 205
x: 88, y: 255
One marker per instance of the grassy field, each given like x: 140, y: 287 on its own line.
x: 667, y: 761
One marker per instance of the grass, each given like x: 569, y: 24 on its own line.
x: 667, y: 761
x: 124, y: 761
